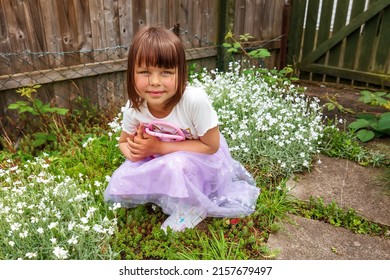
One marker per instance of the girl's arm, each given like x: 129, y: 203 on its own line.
x: 144, y: 145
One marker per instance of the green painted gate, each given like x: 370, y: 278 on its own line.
x: 342, y: 41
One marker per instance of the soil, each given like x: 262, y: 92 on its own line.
x: 348, y: 98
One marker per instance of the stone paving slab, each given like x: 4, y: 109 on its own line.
x: 305, y: 239
x: 347, y: 183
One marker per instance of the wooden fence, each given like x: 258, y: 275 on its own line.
x: 78, y: 48
x: 341, y: 41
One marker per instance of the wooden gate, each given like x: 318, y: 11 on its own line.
x: 341, y: 41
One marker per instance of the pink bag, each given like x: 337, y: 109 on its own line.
x: 176, y: 135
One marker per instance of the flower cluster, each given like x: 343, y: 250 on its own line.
x: 264, y: 124
x: 47, y: 216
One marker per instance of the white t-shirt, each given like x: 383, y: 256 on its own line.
x: 194, y: 115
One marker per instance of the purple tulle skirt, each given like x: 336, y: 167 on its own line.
x: 217, y: 184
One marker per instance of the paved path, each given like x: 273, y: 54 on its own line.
x: 350, y: 186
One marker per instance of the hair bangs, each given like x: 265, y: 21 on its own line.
x: 158, y: 53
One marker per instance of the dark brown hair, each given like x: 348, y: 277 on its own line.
x: 158, y: 47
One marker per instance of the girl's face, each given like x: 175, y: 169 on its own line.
x: 155, y: 85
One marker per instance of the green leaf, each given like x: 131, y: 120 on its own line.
x: 62, y: 111
x: 40, y: 135
x: 365, y: 135
x: 360, y: 123
x: 38, y: 103
x: 265, y: 53
x: 368, y: 117
x: 237, y: 45
x: 330, y: 106
x: 380, y: 93
x: 366, y: 99
x: 226, y: 45
x: 232, y: 50
x: 39, y: 142
x: 381, y: 101
x: 17, y: 105
x: 366, y: 96
x: 366, y: 92
x: 384, y: 122
x: 51, y: 137
x: 14, y: 106
x: 46, y: 109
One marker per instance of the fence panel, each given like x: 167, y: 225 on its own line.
x: 78, y: 48
x: 263, y: 20
x: 353, y: 47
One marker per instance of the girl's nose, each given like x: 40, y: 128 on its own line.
x: 154, y: 80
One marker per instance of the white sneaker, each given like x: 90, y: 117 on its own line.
x: 185, y: 218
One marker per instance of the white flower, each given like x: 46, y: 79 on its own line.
x: 31, y: 255
x: 53, y: 240
x: 52, y: 225
x: 60, y: 253
x: 11, y: 243
x: 71, y: 225
x: 97, y: 228
x: 90, y: 212
x: 116, y: 206
x: 97, y: 183
x: 14, y: 168
x: 73, y: 240
x: 15, y: 226
x: 23, y: 234
x: 40, y: 230
x: 45, y: 166
x: 111, y: 230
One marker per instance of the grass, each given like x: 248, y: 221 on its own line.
x: 331, y: 213
x: 52, y: 205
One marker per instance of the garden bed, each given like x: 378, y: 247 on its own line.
x: 345, y: 95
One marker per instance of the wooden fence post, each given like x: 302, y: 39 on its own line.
x: 283, y: 43
x: 221, y: 34
x: 176, y: 29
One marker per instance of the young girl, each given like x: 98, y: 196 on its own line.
x: 189, y: 179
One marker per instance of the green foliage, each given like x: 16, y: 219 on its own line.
x: 331, y: 213
x: 375, y: 98
x: 273, y: 205
x: 33, y: 105
x: 194, y: 72
x: 215, y: 247
x: 48, y: 126
x: 235, y: 46
x: 368, y: 126
x: 280, y: 78
x: 52, y: 216
x: 344, y: 144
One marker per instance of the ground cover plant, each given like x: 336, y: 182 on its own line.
x: 52, y: 204
x: 368, y: 126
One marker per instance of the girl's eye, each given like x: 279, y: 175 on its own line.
x: 167, y: 73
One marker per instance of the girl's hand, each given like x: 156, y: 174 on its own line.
x: 142, y: 145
